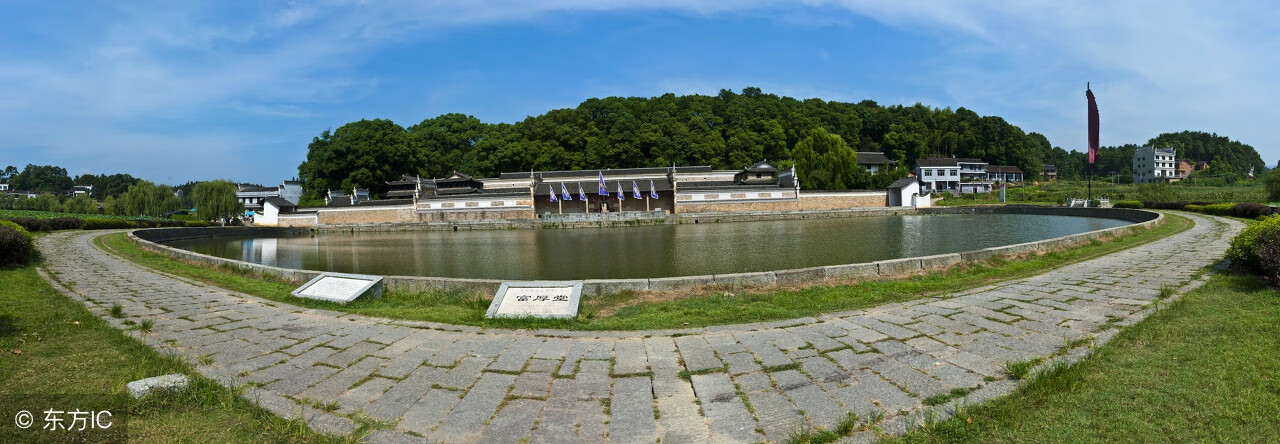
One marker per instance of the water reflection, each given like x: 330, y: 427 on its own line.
x: 650, y: 251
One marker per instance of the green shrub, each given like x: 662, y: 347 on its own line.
x: 13, y: 225
x: 1128, y: 204
x: 106, y: 224
x: 1222, y: 209
x: 32, y: 224
x: 16, y: 244
x: 66, y: 223
x: 1244, y: 249
x: 197, y: 223
x: 1194, y: 207
x: 1250, y: 210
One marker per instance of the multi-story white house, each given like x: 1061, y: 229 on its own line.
x: 253, y: 197
x: 1153, y: 165
x: 1004, y: 173
x: 938, y: 174
x: 962, y: 175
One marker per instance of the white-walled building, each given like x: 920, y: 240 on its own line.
x: 906, y: 193
x: 1154, y: 165
x: 963, y: 175
x: 874, y: 161
x: 253, y: 197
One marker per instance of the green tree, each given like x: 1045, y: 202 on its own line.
x: 44, y: 202
x: 364, y: 154
x: 42, y: 178
x: 1273, y: 185
x: 148, y: 199
x: 216, y: 200
x: 109, y: 205
x: 824, y: 161
x: 80, y: 204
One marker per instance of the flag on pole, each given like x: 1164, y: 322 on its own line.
x: 604, y: 191
x: 582, y: 195
x: 552, y: 196
x: 1093, y: 125
x: 564, y: 191
x: 653, y: 192
x: 635, y: 191
x: 620, y: 194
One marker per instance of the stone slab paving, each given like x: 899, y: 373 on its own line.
x: 737, y: 383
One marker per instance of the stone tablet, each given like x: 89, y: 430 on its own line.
x: 536, y: 299
x: 340, y: 287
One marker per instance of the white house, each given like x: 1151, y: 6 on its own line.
x: 1152, y: 165
x: 4, y: 186
x: 253, y: 197
x: 938, y: 174
x: 963, y: 175
x: 1003, y: 173
x: 82, y: 190
x: 906, y: 192
x: 873, y: 161
x: 271, y: 209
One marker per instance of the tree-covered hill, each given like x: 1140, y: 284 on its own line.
x: 729, y: 130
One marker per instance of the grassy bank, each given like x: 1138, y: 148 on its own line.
x: 1203, y: 370
x: 642, y: 311
x: 1057, y: 192
x: 53, y: 345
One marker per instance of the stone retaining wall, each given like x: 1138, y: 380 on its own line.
x: 831, y: 274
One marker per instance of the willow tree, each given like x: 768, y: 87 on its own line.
x: 216, y: 199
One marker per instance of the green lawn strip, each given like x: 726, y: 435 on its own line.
x: 66, y: 350
x: 1203, y: 370
x: 709, y: 308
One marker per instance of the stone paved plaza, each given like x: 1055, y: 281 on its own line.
x: 738, y: 383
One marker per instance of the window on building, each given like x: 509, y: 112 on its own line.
x: 954, y: 172
x: 928, y: 172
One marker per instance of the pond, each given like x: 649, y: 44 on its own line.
x: 644, y: 251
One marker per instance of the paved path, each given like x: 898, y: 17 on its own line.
x: 742, y: 383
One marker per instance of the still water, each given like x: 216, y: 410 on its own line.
x: 648, y: 251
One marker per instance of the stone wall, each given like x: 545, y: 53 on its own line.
x: 475, y: 215
x: 358, y: 215
x: 837, y: 201
x: 806, y: 202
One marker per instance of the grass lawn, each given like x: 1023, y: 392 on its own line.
x: 1058, y: 191
x: 63, y: 349
x: 630, y: 311
x: 1206, y: 369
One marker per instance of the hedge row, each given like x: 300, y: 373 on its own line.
x: 1247, y: 210
x: 32, y: 224
x: 1128, y: 204
x: 16, y: 244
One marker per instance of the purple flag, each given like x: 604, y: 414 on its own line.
x: 581, y: 194
x: 635, y: 191
x: 604, y: 191
x: 564, y: 191
x: 653, y: 192
x: 552, y: 196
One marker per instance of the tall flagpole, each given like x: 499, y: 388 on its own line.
x: 1094, y: 148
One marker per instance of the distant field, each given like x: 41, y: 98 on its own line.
x: 51, y: 215
x: 1058, y: 192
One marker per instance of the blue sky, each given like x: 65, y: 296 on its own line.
x: 177, y: 91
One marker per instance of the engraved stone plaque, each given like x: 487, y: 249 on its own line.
x: 536, y: 299
x: 340, y: 287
